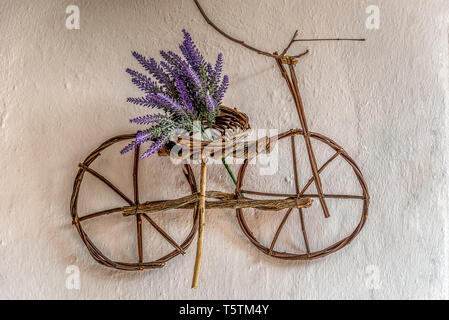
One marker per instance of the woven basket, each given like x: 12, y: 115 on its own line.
x: 232, y: 127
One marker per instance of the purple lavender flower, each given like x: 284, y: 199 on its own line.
x: 128, y: 148
x: 150, y: 103
x: 165, y: 102
x: 143, y: 82
x: 190, y: 51
x: 149, y: 119
x: 155, y: 147
x: 143, y: 136
x: 184, y: 95
x: 218, y: 68
x: 222, y: 89
x: 193, y: 76
x: 140, y: 102
x: 210, y: 71
x: 210, y: 102
x: 173, y: 62
x: 187, y: 88
x: 152, y: 67
x: 168, y: 68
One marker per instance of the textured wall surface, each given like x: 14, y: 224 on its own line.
x: 385, y: 101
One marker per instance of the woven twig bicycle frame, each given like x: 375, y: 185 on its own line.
x: 229, y: 119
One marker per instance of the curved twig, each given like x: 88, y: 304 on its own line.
x: 290, y: 43
x: 240, y: 42
x: 262, y: 52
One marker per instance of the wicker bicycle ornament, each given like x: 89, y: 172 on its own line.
x: 231, y: 127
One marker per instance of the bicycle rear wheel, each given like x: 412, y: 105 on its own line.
x: 256, y: 231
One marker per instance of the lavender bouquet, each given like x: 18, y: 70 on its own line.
x: 188, y: 91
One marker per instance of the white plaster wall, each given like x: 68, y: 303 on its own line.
x: 62, y: 93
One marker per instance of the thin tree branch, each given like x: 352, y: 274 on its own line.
x: 262, y: 52
x: 302, y: 54
x: 290, y: 43
x: 329, y: 39
x: 240, y: 42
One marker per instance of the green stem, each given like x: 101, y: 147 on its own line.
x: 231, y: 174
x: 203, y: 133
x: 229, y: 170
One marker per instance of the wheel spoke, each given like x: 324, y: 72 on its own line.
x: 320, y: 170
x: 131, y: 201
x: 295, y: 166
x: 136, y: 201
x: 139, y: 237
x: 303, y: 228
x: 107, y: 182
x: 278, y: 231
x: 164, y: 234
x: 100, y: 213
x: 309, y: 252
x: 335, y: 196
